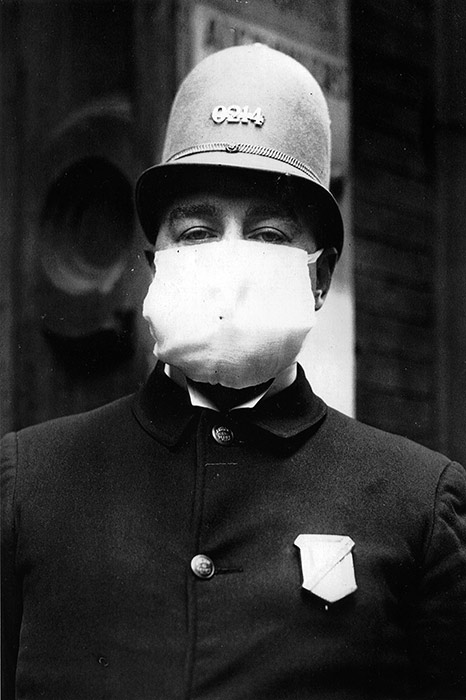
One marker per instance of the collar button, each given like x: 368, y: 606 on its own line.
x: 222, y: 435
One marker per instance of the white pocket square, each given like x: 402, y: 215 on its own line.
x: 327, y: 565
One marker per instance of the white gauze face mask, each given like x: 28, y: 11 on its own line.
x: 233, y: 313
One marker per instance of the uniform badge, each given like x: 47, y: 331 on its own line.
x: 235, y: 114
x: 327, y: 565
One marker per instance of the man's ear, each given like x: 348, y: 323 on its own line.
x: 325, y: 266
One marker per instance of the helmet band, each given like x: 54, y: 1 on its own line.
x: 253, y: 149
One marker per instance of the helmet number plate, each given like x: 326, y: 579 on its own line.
x: 234, y: 114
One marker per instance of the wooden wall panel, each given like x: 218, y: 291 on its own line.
x: 68, y: 63
x: 449, y: 20
x: 393, y: 217
x: 12, y: 136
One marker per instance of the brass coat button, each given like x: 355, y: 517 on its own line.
x: 222, y: 434
x: 202, y: 566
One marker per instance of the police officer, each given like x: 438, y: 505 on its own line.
x: 223, y: 533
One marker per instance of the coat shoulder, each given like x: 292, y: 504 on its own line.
x: 58, y: 438
x: 350, y: 429
x: 108, y: 414
x: 396, y: 456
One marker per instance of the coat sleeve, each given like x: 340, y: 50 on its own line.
x: 11, y: 588
x: 438, y: 630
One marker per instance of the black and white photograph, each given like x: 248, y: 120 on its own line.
x: 233, y: 356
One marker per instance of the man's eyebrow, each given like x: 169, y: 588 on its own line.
x: 186, y: 211
x: 271, y: 209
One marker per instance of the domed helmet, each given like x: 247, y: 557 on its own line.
x: 253, y: 108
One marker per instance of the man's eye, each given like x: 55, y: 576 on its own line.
x: 196, y: 233
x: 269, y: 235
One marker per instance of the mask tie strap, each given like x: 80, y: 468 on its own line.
x: 313, y: 257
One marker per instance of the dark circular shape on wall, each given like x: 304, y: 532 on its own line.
x: 87, y: 227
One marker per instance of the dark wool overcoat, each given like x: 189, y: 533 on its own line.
x: 104, y: 512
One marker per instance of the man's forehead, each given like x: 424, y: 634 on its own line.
x: 214, y: 205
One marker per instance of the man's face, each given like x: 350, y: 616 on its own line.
x: 235, y: 207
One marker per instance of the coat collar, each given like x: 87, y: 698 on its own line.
x: 164, y: 410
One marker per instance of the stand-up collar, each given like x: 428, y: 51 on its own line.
x: 163, y: 409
